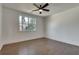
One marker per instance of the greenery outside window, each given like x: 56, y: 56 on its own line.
x: 27, y: 23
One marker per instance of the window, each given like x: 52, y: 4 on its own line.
x: 27, y: 23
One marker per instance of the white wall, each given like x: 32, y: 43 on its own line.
x: 64, y: 26
x: 10, y: 27
x: 0, y: 26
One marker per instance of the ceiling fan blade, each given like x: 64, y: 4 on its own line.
x: 35, y: 10
x: 46, y: 10
x: 45, y: 5
x: 36, y: 5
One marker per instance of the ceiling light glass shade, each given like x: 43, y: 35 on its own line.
x: 40, y: 10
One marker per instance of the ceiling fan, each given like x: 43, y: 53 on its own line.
x: 41, y: 8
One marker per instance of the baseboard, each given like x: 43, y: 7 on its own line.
x: 39, y: 38
x: 1, y: 47
x: 62, y: 41
x: 23, y: 41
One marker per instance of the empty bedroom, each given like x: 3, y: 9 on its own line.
x: 39, y: 28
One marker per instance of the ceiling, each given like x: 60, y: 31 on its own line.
x: 53, y: 7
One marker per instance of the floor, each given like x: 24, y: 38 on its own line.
x: 41, y: 46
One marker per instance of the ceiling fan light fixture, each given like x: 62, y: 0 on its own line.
x: 40, y: 10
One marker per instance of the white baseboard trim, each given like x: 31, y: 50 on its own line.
x: 21, y: 41
x: 63, y: 41
x: 1, y: 47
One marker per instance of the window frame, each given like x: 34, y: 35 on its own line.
x: 21, y: 28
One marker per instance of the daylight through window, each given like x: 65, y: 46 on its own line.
x: 27, y: 23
